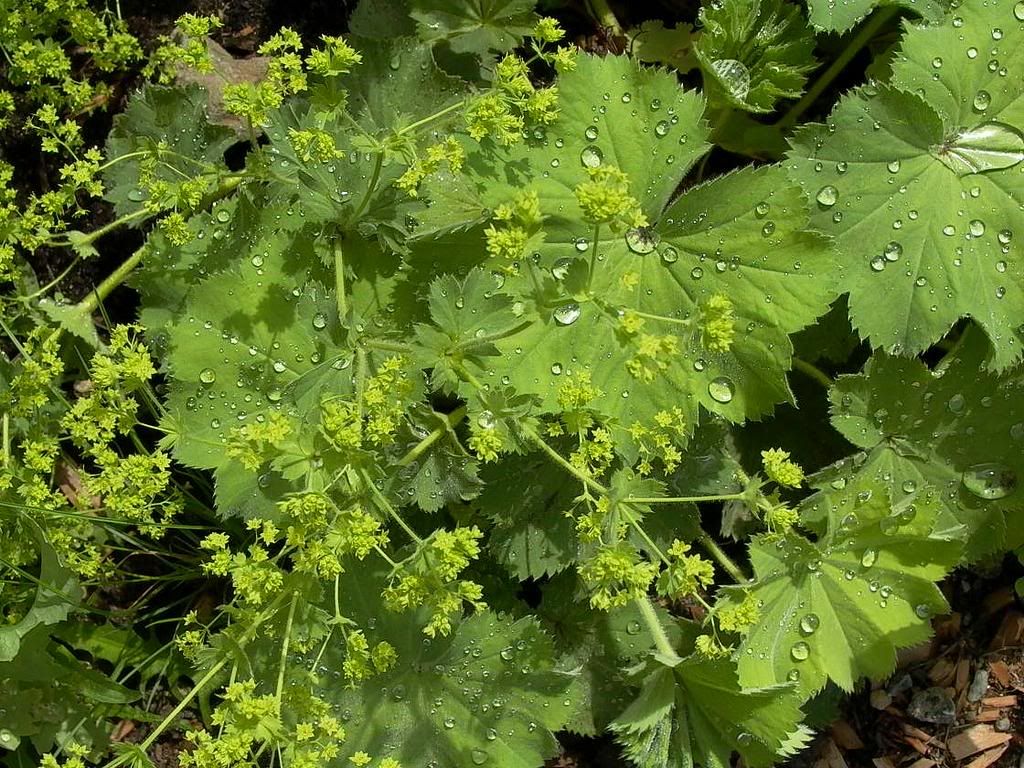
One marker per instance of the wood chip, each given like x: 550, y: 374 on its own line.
x: 986, y: 759
x: 1000, y: 671
x: 917, y: 733
x: 916, y: 744
x: 942, y: 672
x: 883, y: 762
x: 998, y: 601
x: 1010, y: 633
x: 830, y: 757
x: 915, y: 654
x: 976, y: 739
x: 922, y: 762
x: 987, y: 716
x: 845, y: 736
x: 1000, y: 701
x: 963, y: 675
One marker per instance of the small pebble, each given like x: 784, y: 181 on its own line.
x: 1003, y: 724
x: 933, y: 705
x: 897, y: 687
x: 880, y: 698
x: 979, y: 686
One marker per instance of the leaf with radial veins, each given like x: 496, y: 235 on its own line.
x: 754, y: 53
x: 841, y: 15
x: 922, y: 192
x: 488, y: 692
x: 840, y: 608
x: 740, y: 236
x: 961, y: 432
x: 474, y: 26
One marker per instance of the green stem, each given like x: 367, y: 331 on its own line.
x: 284, y: 646
x: 605, y: 16
x: 727, y: 563
x: 387, y: 346
x: 862, y: 38
x: 431, y: 118
x: 339, y: 280
x: 593, y: 256
x: 53, y: 283
x: 496, y: 336
x: 90, y: 303
x: 386, y: 505
x: 370, y: 188
x: 564, y: 463
x: 813, y: 372
x: 650, y: 617
x: 450, y: 420
x: 684, y: 499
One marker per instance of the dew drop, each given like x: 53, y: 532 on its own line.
x: 956, y: 403
x: 869, y: 557
x: 591, y: 157
x: 878, y: 264
x: 827, y: 196
x: 319, y: 321
x: 561, y: 269
x: 1018, y: 11
x: 809, y: 624
x: 207, y: 376
x: 642, y: 240
x: 982, y: 101
x: 478, y: 756
x: 976, y: 227
x: 486, y: 420
x: 734, y: 75
x: 793, y: 676
x: 923, y: 611
x: 449, y: 722
x: 591, y: 133
x: 990, y: 481
x: 800, y: 651
x: 721, y: 389
x: 567, y: 314
x: 556, y: 369
x: 661, y: 129
x: 136, y: 195
x: 633, y: 628
x: 223, y: 216
x: 669, y: 255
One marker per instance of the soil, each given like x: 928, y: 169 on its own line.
x: 875, y: 727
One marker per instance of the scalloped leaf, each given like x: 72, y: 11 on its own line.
x: 754, y: 52
x: 474, y: 26
x: 838, y: 609
x: 922, y: 192
x: 488, y: 694
x: 959, y: 429
x: 740, y: 236
x: 841, y: 15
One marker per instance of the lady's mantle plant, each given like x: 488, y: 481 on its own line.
x: 443, y: 338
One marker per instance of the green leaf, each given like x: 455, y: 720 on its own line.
x: 175, y: 118
x: 488, y: 693
x: 440, y: 470
x: 474, y: 26
x: 959, y: 429
x: 841, y: 15
x: 697, y: 713
x: 57, y: 592
x: 381, y: 19
x: 654, y: 43
x: 840, y: 608
x: 72, y: 319
x: 754, y: 52
x: 926, y: 240
x: 740, y: 236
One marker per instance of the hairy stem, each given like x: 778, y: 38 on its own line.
x: 650, y: 617
x: 813, y: 371
x: 386, y: 505
x: 339, y: 280
x: 371, y: 187
x: 284, y: 645
x: 862, y: 38
x: 431, y: 118
x: 605, y: 17
x: 450, y: 420
x: 584, y: 478
x: 728, y: 564
x: 684, y: 499
x: 90, y: 303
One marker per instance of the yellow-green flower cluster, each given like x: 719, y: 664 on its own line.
x: 659, y: 441
x: 40, y: 368
x: 516, y: 225
x: 780, y: 518
x: 780, y: 468
x: 738, y: 617
x: 314, y: 144
x: 285, y: 76
x: 430, y: 578
x: 322, y: 534
x: 718, y: 323
x: 256, y: 443
x: 485, y: 442
x: 504, y: 112
x: 254, y: 576
x: 362, y: 662
x: 334, y: 58
x: 685, y: 574
x: 652, y: 352
x: 192, y: 52
x: 604, y: 198
x: 444, y: 153
x: 616, y: 575
x: 385, y: 399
